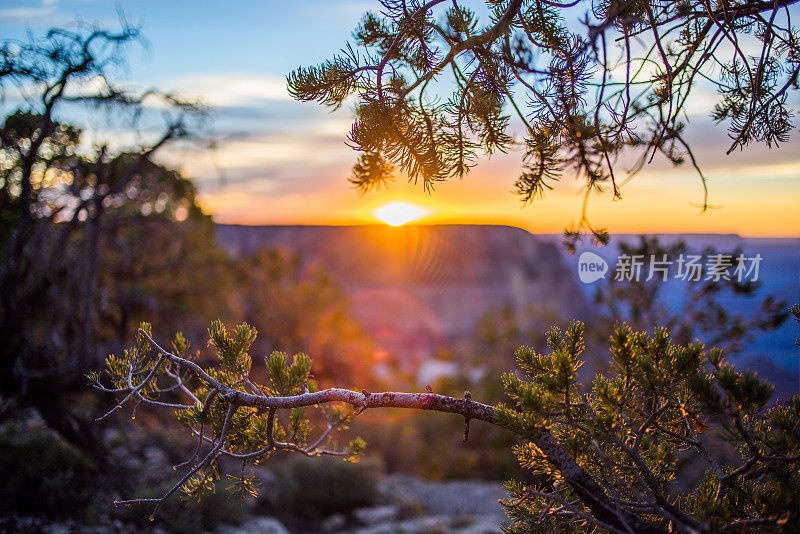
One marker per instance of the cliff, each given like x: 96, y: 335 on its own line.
x: 420, y: 288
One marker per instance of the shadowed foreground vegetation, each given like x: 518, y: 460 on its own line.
x: 605, y: 456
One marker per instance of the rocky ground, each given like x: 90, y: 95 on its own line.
x: 408, y: 504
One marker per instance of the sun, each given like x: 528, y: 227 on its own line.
x: 399, y: 213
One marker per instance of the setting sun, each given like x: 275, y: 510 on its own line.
x: 399, y: 213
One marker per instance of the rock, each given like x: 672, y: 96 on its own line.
x: 334, y: 523
x: 456, y: 498
x: 257, y: 525
x: 430, y: 525
x: 435, y: 525
x: 56, y: 528
x: 155, y: 456
x: 376, y: 514
x: 478, y: 525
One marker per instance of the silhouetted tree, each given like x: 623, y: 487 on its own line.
x: 157, y: 246
x: 589, y: 81
x: 55, y: 193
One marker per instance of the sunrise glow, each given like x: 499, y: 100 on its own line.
x: 399, y: 213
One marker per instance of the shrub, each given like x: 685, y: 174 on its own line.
x: 41, y: 474
x: 319, y: 487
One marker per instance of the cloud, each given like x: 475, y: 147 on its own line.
x: 289, y: 160
x: 347, y: 10
x: 45, y: 14
x: 233, y: 90
x: 25, y: 14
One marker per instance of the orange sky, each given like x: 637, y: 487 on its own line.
x: 756, y: 193
x: 279, y: 161
x: 295, y: 172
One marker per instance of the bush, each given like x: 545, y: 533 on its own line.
x: 323, y: 486
x: 41, y: 474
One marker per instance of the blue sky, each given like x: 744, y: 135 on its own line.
x: 287, y: 162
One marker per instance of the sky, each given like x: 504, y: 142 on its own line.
x: 278, y: 161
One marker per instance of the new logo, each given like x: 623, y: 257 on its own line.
x: 591, y: 267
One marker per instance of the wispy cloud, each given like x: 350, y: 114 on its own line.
x: 23, y: 13
x: 233, y: 90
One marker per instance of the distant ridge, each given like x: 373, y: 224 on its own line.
x: 419, y: 288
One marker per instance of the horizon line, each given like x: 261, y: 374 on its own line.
x: 504, y: 225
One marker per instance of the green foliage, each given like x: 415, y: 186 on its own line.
x: 232, y: 350
x: 88, y: 223
x: 288, y: 380
x: 629, y: 442
x: 630, y: 430
x: 244, y: 433
x: 155, y: 226
x: 200, y: 485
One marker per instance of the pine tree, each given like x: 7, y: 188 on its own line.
x: 610, y: 453
x: 588, y: 80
